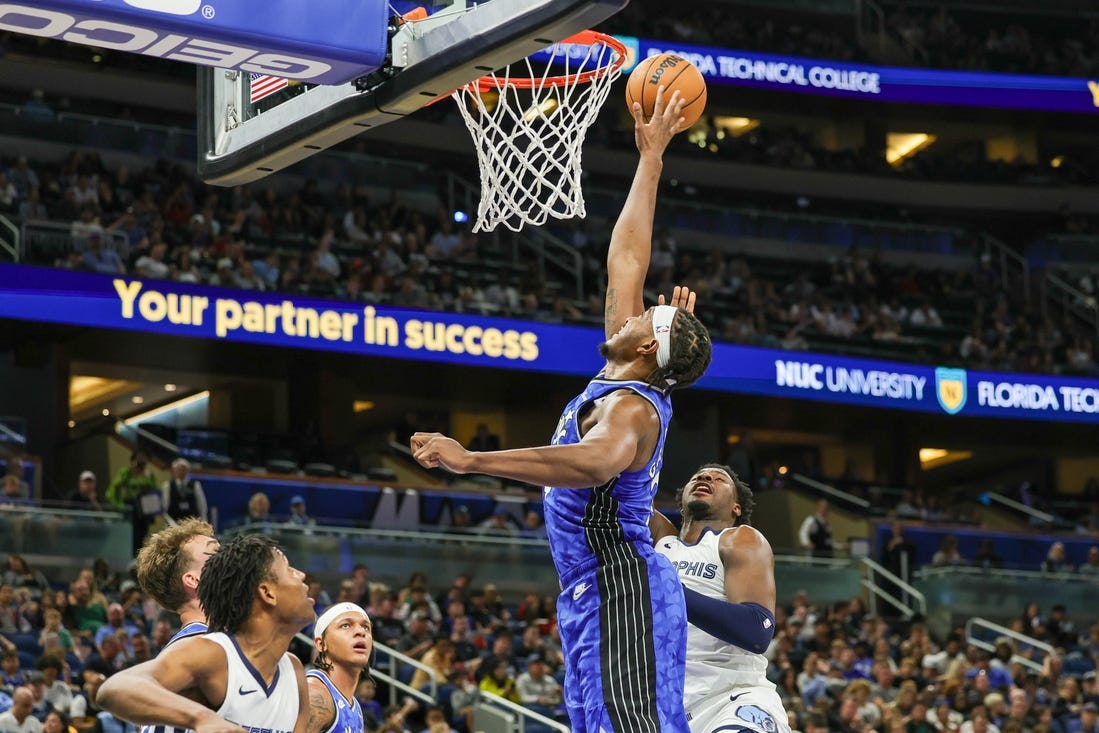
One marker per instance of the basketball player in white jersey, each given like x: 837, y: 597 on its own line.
x: 343, y: 636
x: 728, y: 575
x: 241, y: 676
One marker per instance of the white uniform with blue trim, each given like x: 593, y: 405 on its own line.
x: 249, y: 701
x: 195, y: 628
x: 726, y: 687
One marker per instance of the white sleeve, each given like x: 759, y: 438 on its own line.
x: 806, y: 529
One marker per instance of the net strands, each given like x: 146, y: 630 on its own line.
x: 529, y: 131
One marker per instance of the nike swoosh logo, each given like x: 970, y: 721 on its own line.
x: 243, y: 691
x: 732, y: 698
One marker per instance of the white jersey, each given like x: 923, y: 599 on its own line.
x: 713, y: 666
x: 249, y: 701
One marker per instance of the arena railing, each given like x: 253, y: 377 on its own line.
x: 878, y: 592
x: 971, y: 637
x: 11, y: 242
x: 523, y: 713
x: 53, y: 239
x: 1032, y: 513
x: 1070, y: 300
x: 763, y: 223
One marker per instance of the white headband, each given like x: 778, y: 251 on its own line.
x: 662, y: 330
x: 330, y: 615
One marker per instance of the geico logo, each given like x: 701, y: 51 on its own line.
x: 151, y: 42
x: 172, y: 7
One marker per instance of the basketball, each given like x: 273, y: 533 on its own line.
x: 675, y: 73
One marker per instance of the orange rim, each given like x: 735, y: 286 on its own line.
x: 589, y: 38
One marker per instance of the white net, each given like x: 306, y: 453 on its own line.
x: 529, y: 128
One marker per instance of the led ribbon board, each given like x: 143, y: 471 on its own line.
x: 273, y: 319
x: 877, y: 83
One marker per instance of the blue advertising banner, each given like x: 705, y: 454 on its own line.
x: 878, y: 83
x: 273, y: 319
x: 322, y: 42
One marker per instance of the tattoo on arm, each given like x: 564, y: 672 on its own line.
x: 321, y: 711
x: 612, y: 306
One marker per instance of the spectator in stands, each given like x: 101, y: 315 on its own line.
x: 11, y: 676
x: 259, y: 510
x: 57, y: 691
x: 496, y: 679
x: 116, y: 622
x: 1056, y: 560
x: 87, y: 614
x: 20, y: 718
x: 537, y: 689
x: 484, y: 439
x: 84, y: 711
x: 20, y: 575
x: 135, y: 491
x: 1090, y: 566
x: 533, y: 526
x: 182, y: 494
x: 12, y: 493
x: 947, y: 553
x: 417, y: 639
x: 815, y: 534
x: 899, y: 555
x: 1088, y: 722
x: 98, y: 258
x: 86, y: 493
x: 499, y: 524
x: 108, y: 658
x: 440, y: 658
x: 11, y: 618
x: 57, y: 721
x: 987, y: 557
x: 298, y: 515
x: 52, y: 626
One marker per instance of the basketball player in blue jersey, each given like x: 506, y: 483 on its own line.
x: 241, y: 676
x: 344, y: 639
x: 728, y: 573
x: 620, y: 613
x: 169, y: 567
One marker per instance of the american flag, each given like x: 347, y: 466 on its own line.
x: 264, y: 85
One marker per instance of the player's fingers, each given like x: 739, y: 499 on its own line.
x: 691, y: 302
x: 673, y: 105
x: 660, y: 299
x: 658, y: 103
x: 638, y: 113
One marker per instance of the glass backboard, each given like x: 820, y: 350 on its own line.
x: 252, y: 124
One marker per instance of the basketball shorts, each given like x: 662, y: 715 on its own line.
x: 624, y: 634
x: 747, y: 709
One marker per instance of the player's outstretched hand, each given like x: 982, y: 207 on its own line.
x: 667, y: 120
x: 434, y: 450
x: 682, y: 297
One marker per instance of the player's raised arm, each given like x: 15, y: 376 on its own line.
x: 631, y: 240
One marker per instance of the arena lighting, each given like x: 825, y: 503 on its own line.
x: 935, y: 457
x: 362, y: 405
x: 137, y: 399
x: 900, y: 146
x: 176, y: 405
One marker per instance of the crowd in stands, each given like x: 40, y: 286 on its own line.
x: 160, y: 223
x: 836, y: 666
x: 931, y: 34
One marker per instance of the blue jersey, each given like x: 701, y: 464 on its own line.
x: 195, y: 628
x: 349, y: 714
x: 585, y: 525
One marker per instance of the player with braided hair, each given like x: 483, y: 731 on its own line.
x: 240, y: 677
x: 343, y: 637
x: 623, y: 669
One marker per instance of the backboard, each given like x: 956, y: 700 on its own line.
x: 242, y: 138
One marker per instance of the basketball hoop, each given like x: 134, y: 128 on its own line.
x: 529, y: 129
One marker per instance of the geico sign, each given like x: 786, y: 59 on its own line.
x: 150, y: 42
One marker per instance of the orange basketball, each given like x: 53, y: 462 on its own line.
x: 674, y: 73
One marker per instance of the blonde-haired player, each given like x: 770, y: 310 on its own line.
x: 343, y: 636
